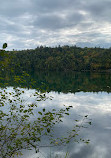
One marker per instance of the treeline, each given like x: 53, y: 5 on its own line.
x: 61, y: 58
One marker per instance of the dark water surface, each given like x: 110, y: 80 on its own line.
x: 59, y: 81
x: 89, y: 94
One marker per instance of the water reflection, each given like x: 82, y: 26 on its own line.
x: 98, y: 107
x: 59, y: 81
x: 88, y: 93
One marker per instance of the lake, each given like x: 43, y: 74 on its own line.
x: 89, y: 94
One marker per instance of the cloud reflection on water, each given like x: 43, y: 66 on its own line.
x: 98, y: 107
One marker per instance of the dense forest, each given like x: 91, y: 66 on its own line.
x: 61, y: 58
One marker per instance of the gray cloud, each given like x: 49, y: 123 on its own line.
x: 58, y: 21
x: 99, y: 10
x: 55, y: 22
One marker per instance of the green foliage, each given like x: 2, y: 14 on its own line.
x: 4, y: 45
x: 67, y: 155
x: 63, y: 58
x: 21, y: 128
x: 4, y: 58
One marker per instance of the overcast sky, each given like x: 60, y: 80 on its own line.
x: 30, y: 23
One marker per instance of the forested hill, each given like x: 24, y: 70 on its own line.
x: 61, y: 59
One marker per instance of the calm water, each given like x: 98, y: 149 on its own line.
x: 89, y: 94
x: 98, y: 107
